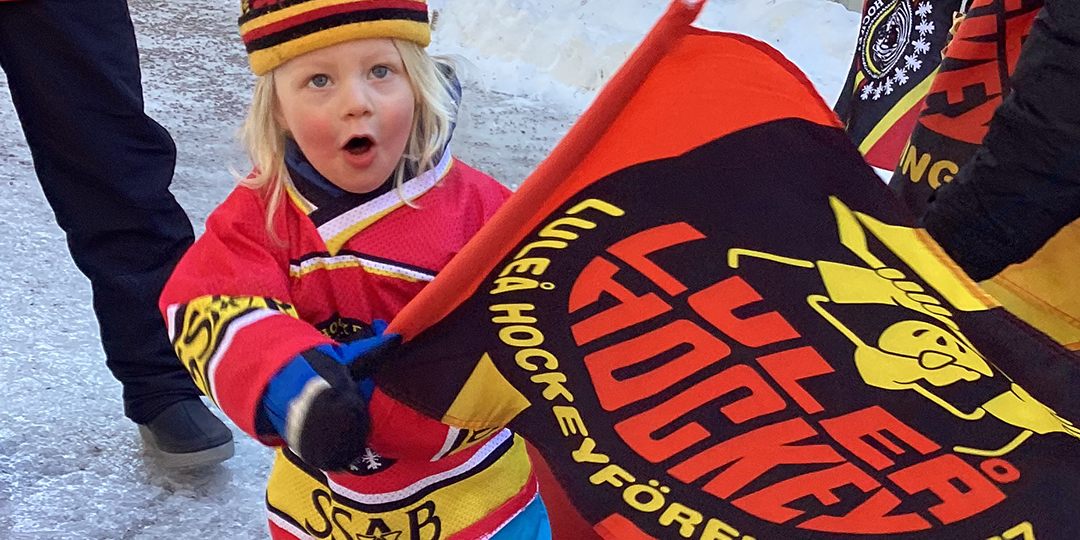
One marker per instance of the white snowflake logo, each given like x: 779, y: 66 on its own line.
x: 866, y: 91
x: 877, y: 91
x: 888, y: 86
x: 912, y: 62
x: 925, y: 9
x: 921, y: 46
x: 925, y: 27
x: 371, y: 460
x: 901, y: 77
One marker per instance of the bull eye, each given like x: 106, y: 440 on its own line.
x: 919, y: 332
x: 940, y: 341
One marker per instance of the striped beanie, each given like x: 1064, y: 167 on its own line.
x: 276, y: 31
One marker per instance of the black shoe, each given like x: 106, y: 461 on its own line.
x: 186, y: 434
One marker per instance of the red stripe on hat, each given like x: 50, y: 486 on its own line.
x: 316, y: 14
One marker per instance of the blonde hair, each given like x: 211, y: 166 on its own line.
x: 434, y: 113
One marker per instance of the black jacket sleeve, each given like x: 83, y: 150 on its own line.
x: 1023, y: 183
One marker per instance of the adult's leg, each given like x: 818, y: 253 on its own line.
x: 105, y: 167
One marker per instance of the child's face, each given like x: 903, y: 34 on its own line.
x: 350, y: 108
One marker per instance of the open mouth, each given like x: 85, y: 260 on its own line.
x: 359, y: 145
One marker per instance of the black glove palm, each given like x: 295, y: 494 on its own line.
x: 315, y: 405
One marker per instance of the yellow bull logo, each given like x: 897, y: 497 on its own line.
x: 914, y: 354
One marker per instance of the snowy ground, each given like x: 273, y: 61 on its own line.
x: 70, y: 465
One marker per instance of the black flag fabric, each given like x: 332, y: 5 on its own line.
x: 713, y: 321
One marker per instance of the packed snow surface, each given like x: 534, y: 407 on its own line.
x: 71, y: 466
x: 540, y: 47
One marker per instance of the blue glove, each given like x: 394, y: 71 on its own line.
x: 314, y: 402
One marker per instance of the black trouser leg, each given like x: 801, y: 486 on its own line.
x: 105, y: 167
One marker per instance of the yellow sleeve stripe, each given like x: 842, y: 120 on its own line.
x: 299, y: 270
x: 203, y: 330
x: 299, y: 200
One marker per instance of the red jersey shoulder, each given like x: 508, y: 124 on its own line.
x: 440, y: 222
x: 488, y: 193
x: 245, y: 211
x: 467, y: 196
x: 234, y: 247
x: 243, y: 207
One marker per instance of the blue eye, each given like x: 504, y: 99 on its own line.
x: 380, y: 72
x: 319, y: 81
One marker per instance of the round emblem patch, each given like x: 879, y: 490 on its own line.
x: 894, y: 38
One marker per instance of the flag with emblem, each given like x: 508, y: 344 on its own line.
x: 896, y: 58
x: 712, y: 320
x: 974, y: 79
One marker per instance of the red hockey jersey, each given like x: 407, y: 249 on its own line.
x: 241, y: 304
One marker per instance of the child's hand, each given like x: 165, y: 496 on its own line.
x: 957, y: 18
x: 365, y: 356
x: 315, y: 405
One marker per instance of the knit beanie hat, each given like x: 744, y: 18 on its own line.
x: 276, y: 31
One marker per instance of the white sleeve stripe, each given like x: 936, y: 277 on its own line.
x: 494, y: 531
x: 383, y: 498
x: 170, y: 321
x: 411, y: 188
x: 451, y: 436
x: 297, y: 413
x: 298, y: 270
x: 235, y: 326
x: 289, y: 527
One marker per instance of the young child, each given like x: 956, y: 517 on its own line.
x: 354, y: 205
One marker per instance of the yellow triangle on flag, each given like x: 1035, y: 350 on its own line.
x: 487, y: 400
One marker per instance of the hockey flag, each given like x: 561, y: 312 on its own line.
x: 896, y: 57
x: 713, y: 321
x: 973, y: 81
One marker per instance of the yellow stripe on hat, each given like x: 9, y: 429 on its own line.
x: 265, y: 60
x: 298, y: 9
